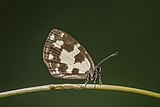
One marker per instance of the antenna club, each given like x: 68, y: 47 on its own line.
x: 116, y: 53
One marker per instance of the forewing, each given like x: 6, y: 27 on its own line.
x: 65, y: 57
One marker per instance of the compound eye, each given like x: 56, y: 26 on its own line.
x: 99, y: 69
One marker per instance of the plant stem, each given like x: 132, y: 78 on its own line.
x: 78, y: 87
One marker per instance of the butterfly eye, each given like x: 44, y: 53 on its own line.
x: 98, y: 69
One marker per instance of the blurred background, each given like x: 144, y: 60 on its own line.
x: 103, y: 27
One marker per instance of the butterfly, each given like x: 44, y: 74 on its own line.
x: 66, y: 58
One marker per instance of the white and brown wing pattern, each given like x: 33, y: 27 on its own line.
x: 66, y: 58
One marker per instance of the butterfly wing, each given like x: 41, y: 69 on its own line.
x: 65, y: 57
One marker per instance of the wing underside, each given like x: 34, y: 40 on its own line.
x: 65, y: 57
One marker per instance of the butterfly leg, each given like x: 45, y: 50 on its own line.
x: 87, y: 80
x: 95, y: 79
x: 100, y: 79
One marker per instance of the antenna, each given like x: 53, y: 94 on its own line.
x: 114, y: 54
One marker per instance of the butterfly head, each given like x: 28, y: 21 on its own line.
x: 96, y: 75
x: 98, y: 69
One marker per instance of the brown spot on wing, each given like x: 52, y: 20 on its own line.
x: 79, y: 57
x: 82, y: 49
x: 68, y: 47
x: 63, y: 67
x: 75, y: 71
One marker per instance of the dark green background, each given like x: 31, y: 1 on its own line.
x: 130, y: 27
